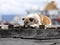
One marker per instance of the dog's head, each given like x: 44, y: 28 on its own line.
x: 28, y: 21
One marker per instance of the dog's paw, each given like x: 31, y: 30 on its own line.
x: 34, y: 26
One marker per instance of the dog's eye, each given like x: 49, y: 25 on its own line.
x: 23, y: 18
x: 31, y: 19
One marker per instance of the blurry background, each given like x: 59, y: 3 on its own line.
x: 12, y: 8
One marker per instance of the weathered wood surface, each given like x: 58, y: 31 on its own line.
x: 18, y: 41
x: 31, y: 33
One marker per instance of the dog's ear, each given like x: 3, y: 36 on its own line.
x: 23, y: 18
x: 31, y: 19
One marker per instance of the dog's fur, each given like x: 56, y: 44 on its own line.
x: 35, y: 20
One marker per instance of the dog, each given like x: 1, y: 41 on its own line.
x: 35, y: 20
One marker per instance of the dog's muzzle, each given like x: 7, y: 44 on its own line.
x: 26, y: 24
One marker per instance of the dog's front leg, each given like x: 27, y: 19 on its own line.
x: 35, y: 25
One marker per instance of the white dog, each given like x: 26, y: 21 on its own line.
x: 35, y: 20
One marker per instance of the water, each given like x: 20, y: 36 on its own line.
x: 7, y: 17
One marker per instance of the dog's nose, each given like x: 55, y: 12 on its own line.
x: 26, y: 22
